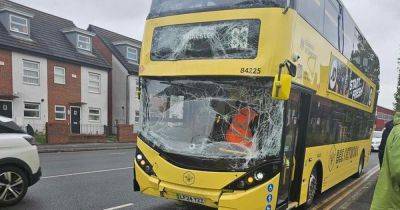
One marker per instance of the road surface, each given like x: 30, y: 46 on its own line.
x: 99, y: 180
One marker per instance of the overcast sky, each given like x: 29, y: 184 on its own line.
x: 378, y: 21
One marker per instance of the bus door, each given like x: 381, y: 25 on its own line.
x: 296, y: 119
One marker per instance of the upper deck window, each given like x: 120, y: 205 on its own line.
x: 236, y: 39
x: 173, y: 7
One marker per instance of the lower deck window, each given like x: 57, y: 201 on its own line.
x: 94, y: 115
x: 60, y: 112
x: 32, y: 110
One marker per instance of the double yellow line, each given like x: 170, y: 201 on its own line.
x: 340, y: 195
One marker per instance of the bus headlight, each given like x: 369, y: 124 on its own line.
x: 255, y: 177
x: 143, y: 163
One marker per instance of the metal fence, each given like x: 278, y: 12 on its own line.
x: 90, y: 129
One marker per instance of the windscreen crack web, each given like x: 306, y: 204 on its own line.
x: 213, y: 119
x: 219, y: 40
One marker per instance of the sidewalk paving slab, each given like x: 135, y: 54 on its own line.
x: 84, y: 147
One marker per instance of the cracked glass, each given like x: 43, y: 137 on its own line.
x: 173, y: 7
x: 236, y: 39
x: 213, y: 118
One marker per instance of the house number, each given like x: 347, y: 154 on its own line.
x: 5, y: 107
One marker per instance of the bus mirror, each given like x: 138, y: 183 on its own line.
x: 282, y: 86
x: 291, y: 68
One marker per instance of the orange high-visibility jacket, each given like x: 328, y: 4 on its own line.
x: 239, y: 131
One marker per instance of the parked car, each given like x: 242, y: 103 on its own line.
x: 19, y: 162
x: 376, y: 140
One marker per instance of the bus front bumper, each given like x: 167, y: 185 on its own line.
x: 259, y: 197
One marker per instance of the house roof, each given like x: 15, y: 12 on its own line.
x: 47, y: 38
x: 111, y: 39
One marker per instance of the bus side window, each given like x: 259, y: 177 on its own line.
x: 313, y: 12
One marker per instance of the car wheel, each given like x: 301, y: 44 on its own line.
x: 312, y: 188
x: 13, y: 185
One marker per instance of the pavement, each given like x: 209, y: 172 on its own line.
x: 84, y: 147
x: 103, y: 180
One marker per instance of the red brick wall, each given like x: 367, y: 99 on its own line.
x: 6, y: 87
x: 107, y: 54
x: 66, y: 94
x: 380, y: 123
x: 57, y: 133
x: 125, y: 133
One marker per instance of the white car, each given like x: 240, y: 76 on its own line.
x: 19, y: 163
x: 376, y: 140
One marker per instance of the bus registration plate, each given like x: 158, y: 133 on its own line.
x: 190, y: 199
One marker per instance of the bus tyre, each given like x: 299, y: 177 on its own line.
x: 13, y: 185
x: 360, y: 169
x: 312, y: 188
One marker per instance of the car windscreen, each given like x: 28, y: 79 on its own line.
x: 10, y: 127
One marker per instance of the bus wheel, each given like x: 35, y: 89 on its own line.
x: 312, y: 187
x: 360, y: 170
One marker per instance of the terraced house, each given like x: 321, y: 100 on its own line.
x: 123, y: 53
x: 51, y: 72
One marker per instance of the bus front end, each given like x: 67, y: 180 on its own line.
x: 211, y: 131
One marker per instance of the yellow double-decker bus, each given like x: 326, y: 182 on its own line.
x: 253, y: 104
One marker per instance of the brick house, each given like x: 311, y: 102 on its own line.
x: 50, y: 72
x: 123, y: 53
x: 383, y: 115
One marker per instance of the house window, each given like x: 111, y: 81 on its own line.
x: 137, y: 116
x: 31, y: 72
x: 132, y: 54
x: 60, y: 112
x: 31, y: 110
x: 84, y: 42
x: 94, y: 115
x: 19, y: 24
x: 59, y: 75
x: 94, y: 82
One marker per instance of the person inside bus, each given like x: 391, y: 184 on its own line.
x: 387, y: 191
x: 243, y: 125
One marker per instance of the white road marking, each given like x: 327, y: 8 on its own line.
x: 344, y: 192
x: 120, y: 207
x: 88, y: 172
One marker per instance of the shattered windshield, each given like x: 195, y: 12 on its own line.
x: 213, y: 118
x: 236, y: 39
x: 172, y: 7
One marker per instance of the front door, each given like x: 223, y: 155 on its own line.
x: 6, y: 109
x: 297, y: 111
x: 75, y: 120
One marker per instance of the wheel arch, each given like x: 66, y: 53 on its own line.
x: 320, y: 172
x: 14, y: 162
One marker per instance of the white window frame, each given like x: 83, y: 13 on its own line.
x: 60, y: 112
x: 99, y: 115
x: 89, y: 43
x: 15, y: 23
x: 136, y: 58
x: 36, y: 110
x: 137, y: 116
x: 30, y: 69
x: 90, y: 86
x: 60, y: 75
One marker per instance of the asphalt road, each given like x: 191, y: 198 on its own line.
x: 94, y: 180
